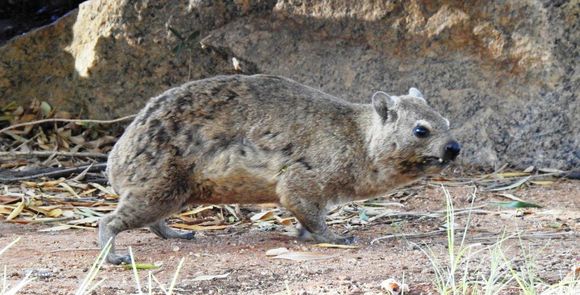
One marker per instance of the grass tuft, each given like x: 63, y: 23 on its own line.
x: 447, y: 279
x: 496, y: 275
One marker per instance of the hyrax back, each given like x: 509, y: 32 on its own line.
x: 255, y: 139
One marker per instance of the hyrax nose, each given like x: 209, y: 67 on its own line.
x: 451, y: 150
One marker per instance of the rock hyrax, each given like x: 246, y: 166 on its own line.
x: 256, y: 139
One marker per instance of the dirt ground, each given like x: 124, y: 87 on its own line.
x: 60, y: 260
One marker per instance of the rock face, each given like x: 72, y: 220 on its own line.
x: 505, y: 72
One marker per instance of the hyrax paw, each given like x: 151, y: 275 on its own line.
x: 187, y: 235
x: 345, y: 240
x: 118, y: 259
x: 304, y: 234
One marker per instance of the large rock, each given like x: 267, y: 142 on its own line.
x: 504, y: 72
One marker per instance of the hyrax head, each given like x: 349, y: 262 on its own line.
x: 409, y: 133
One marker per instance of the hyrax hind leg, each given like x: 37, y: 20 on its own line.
x: 135, y: 212
x: 162, y: 230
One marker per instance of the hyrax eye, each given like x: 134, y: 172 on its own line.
x: 421, y: 131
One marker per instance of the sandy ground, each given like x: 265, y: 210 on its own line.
x: 61, y: 260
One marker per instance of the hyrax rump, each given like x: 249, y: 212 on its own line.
x: 257, y: 139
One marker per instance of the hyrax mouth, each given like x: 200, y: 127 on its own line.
x: 433, y: 161
x: 425, y: 164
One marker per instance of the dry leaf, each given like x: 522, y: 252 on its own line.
x: 542, y: 182
x: 45, y: 184
x: 140, y: 266
x: 511, y: 186
x: 337, y: 246
x: 530, y: 169
x: 303, y: 256
x: 68, y: 189
x: 88, y: 220
x: 198, y: 210
x: 511, y: 197
x: 285, y: 221
x: 551, y: 170
x: 104, y: 208
x: 56, y: 228
x: 38, y: 210
x: 277, y: 251
x: 16, y: 211
x: 82, y: 175
x: 87, y: 212
x: 210, y: 277
x: 63, y: 227
x: 102, y: 188
x: 368, y: 204
x: 87, y: 192
x: 9, y: 199
x: 68, y: 213
x: 512, y: 174
x: 196, y: 227
x: 54, y: 213
x: 263, y: 216
x: 232, y: 212
x: 5, y: 210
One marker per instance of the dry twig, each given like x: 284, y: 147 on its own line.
x: 527, y: 236
x: 411, y: 236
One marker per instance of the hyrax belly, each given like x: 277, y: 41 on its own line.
x: 242, y: 175
x: 240, y: 186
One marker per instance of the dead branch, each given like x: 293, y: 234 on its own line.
x: 12, y: 176
x: 41, y: 154
x: 56, y: 120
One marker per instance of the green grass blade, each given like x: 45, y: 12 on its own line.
x: 517, y: 204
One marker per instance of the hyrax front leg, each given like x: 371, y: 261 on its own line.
x: 312, y: 216
x: 299, y: 192
x: 109, y: 227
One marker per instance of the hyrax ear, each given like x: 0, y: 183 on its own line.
x: 384, y: 104
x: 416, y: 93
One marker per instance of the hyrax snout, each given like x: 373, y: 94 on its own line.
x: 256, y: 139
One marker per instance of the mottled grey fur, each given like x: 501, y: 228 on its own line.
x: 256, y: 139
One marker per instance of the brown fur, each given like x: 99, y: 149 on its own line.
x: 256, y: 139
